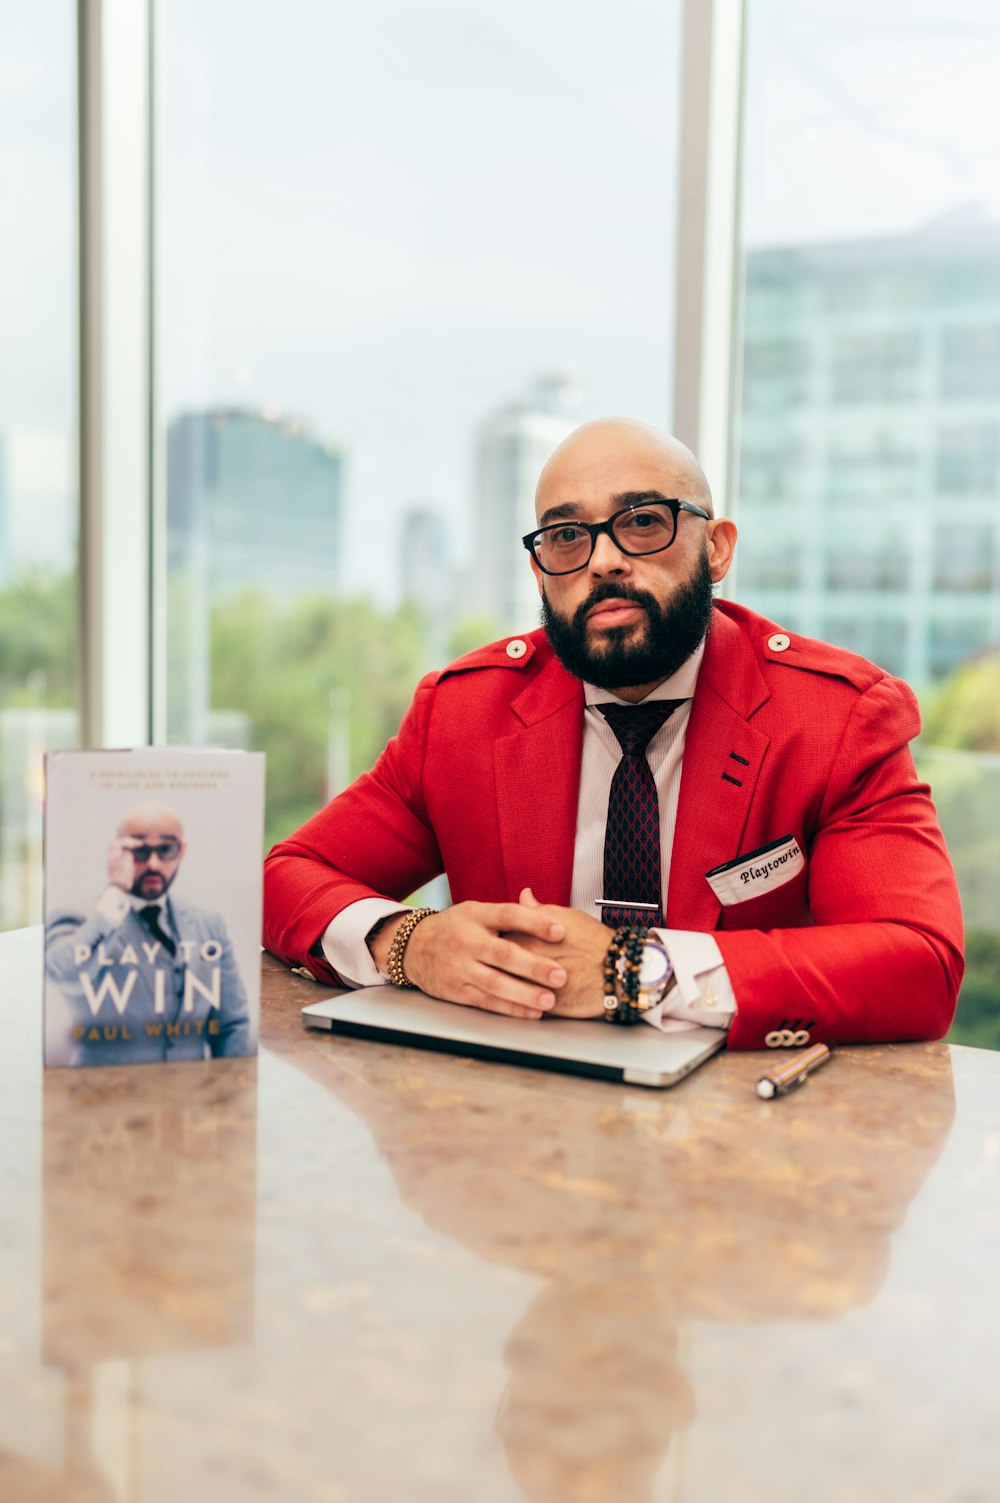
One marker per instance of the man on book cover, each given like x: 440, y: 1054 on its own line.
x: 147, y: 976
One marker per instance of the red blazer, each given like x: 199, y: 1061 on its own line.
x: 864, y: 945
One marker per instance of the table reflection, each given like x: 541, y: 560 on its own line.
x: 639, y: 1213
x: 148, y: 1225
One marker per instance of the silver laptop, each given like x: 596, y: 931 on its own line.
x: 637, y: 1056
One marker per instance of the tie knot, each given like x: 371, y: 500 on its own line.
x: 152, y: 918
x: 636, y: 725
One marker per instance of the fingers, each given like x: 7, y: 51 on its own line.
x: 504, y: 952
x: 487, y: 1002
x: 121, y: 866
x: 530, y: 918
x: 459, y: 955
x: 506, y: 986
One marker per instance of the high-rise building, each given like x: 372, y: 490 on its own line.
x: 427, y: 576
x: 514, y: 443
x: 869, y: 474
x: 253, y: 502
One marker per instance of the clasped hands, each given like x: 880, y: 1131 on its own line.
x: 524, y: 959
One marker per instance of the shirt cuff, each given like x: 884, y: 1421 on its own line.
x: 703, y: 996
x: 113, y: 904
x: 345, y: 941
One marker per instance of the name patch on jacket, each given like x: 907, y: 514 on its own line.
x: 761, y: 871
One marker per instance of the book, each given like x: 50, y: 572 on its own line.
x: 153, y: 888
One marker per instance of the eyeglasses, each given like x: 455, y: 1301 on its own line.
x: 648, y: 527
x: 167, y: 850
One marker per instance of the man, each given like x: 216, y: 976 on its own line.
x: 147, y: 977
x: 805, y: 884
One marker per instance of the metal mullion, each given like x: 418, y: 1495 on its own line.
x: 114, y: 362
x: 708, y: 293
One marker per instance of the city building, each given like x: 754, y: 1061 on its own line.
x: 253, y: 502
x: 869, y: 444
x: 427, y: 576
x: 513, y: 444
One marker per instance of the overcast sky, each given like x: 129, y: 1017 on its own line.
x: 386, y: 216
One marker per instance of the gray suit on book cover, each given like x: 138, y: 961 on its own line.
x: 130, y: 1001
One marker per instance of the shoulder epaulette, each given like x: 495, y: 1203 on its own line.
x: 813, y: 656
x: 509, y: 652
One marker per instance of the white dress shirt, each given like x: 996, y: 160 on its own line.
x: 704, y: 993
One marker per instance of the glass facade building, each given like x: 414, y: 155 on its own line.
x: 869, y: 470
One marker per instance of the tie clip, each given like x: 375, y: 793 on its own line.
x: 623, y: 903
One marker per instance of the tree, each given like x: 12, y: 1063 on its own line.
x: 281, y: 665
x: 959, y: 757
x: 964, y: 714
x: 38, y: 635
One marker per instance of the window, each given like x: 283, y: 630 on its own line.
x: 966, y: 557
x: 38, y: 388
x: 876, y: 367
x: 968, y: 461
x: 871, y: 240
x: 954, y: 640
x: 380, y: 308
x: 970, y: 363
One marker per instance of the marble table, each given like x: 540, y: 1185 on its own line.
x: 348, y: 1272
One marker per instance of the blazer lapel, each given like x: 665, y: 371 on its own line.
x: 538, y: 783
x: 723, y: 756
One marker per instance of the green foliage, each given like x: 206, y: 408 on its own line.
x: 466, y: 636
x: 958, y: 756
x: 965, y: 711
x: 306, y: 674
x: 38, y: 634
x: 978, y: 1018
x: 966, y: 790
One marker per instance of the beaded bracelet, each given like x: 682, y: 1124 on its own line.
x: 627, y: 946
x: 394, y: 960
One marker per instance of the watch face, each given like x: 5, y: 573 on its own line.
x: 655, y: 967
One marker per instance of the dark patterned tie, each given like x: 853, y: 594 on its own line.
x: 150, y: 918
x: 632, y: 842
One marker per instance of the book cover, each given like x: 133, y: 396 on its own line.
x: 152, y: 905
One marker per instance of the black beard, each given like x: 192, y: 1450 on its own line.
x: 138, y: 892
x: 671, y: 634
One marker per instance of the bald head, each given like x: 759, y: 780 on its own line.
x: 616, y: 455
x: 151, y: 822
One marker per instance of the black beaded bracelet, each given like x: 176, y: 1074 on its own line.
x: 622, y: 1006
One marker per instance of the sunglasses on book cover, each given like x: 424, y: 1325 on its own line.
x: 167, y: 850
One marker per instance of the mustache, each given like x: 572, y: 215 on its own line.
x: 602, y: 592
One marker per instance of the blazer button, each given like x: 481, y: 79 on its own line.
x: 774, y: 1039
x: 779, y: 642
x: 517, y: 648
x: 801, y: 1036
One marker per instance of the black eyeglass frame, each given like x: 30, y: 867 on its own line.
x: 595, y: 529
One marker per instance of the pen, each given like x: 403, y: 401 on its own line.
x: 793, y: 1074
